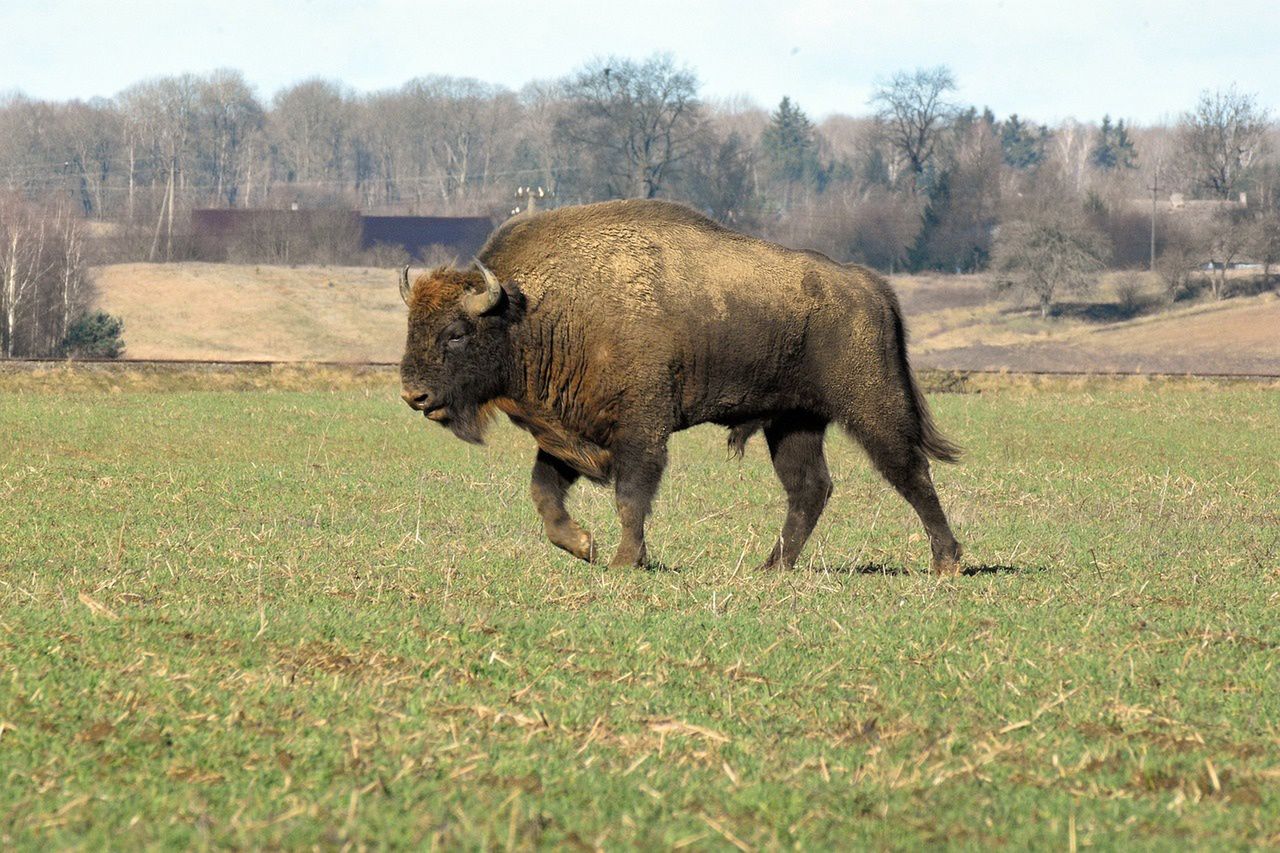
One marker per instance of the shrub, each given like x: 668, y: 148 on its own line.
x: 1177, y: 267
x: 94, y: 335
x: 1128, y: 288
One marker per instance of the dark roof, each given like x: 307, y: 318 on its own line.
x: 462, y: 235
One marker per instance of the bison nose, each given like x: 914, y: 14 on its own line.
x: 417, y: 401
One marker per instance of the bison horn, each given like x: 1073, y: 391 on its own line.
x: 482, y: 303
x: 405, y: 287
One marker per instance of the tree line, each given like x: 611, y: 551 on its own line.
x: 912, y: 180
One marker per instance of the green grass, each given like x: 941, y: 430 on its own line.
x: 297, y: 618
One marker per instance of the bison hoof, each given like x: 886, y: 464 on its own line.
x: 578, y: 543
x: 946, y: 558
x: 585, y: 550
x: 946, y: 567
x: 627, y: 558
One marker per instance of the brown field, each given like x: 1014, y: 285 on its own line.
x: 309, y: 313
x: 246, y: 313
x: 957, y: 325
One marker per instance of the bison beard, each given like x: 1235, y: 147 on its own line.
x: 468, y: 421
x: 603, y: 329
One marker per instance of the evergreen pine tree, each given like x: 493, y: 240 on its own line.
x: 790, y: 148
x: 1102, y: 155
x: 919, y: 256
x: 1126, y: 153
x: 1022, y: 144
x: 1114, y: 149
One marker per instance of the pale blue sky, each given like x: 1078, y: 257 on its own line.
x: 1145, y: 60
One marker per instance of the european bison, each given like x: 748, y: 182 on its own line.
x: 603, y: 329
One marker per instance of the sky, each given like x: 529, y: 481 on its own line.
x: 1142, y: 60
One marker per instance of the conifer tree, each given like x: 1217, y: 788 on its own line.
x: 789, y: 144
x: 790, y: 149
x: 1114, y: 149
x: 1021, y: 143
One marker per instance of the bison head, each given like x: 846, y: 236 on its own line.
x: 458, y: 353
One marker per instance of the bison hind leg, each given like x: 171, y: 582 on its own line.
x: 795, y: 446
x: 904, y: 463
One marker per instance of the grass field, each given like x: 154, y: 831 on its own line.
x: 304, y: 617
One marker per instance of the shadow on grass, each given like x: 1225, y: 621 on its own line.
x: 882, y: 569
x: 1089, y: 312
x: 997, y: 569
x: 656, y: 567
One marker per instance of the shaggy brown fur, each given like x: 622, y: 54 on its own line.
x: 440, y: 287
x: 622, y: 322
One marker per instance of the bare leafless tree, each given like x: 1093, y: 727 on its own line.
x: 1179, y: 261
x: 229, y: 116
x: 91, y: 134
x: 22, y: 265
x: 1221, y: 138
x: 1051, y: 249
x: 1228, y: 238
x: 1264, y: 242
x: 878, y: 227
x: 162, y: 115
x: 309, y: 125
x: 636, y: 120
x: 544, y: 157
x: 1069, y: 153
x: 913, y: 110
x: 43, y: 285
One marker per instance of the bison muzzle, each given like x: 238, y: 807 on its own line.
x: 603, y: 329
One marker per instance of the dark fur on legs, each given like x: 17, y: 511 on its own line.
x: 637, y: 479
x: 795, y: 446
x: 549, y: 487
x: 907, y: 470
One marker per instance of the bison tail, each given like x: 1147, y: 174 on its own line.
x: 931, y: 440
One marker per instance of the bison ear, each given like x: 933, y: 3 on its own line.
x: 405, y: 287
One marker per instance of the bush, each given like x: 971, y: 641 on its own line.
x: 387, y: 255
x: 1128, y: 289
x: 94, y: 335
x: 1177, y: 266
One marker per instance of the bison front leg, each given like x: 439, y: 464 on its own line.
x: 795, y: 445
x: 637, y: 482
x: 549, y: 488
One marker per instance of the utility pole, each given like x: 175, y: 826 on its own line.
x: 1155, y: 188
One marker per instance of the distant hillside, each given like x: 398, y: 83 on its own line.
x: 223, y: 311
x: 955, y: 324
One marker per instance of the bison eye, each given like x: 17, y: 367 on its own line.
x: 455, y: 337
